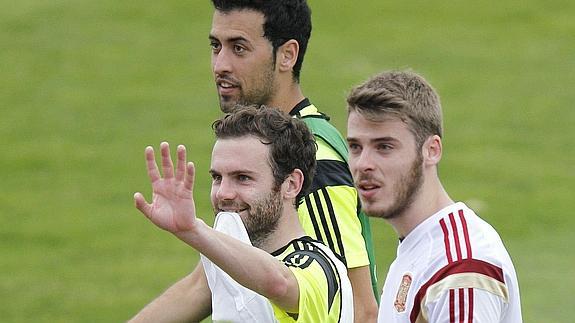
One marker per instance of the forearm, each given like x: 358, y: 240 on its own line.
x: 364, y: 303
x: 251, y: 267
x: 188, y: 300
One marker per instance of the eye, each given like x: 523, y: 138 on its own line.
x: 383, y: 146
x: 238, y: 49
x: 215, y: 46
x: 354, y: 148
x: 243, y: 178
x: 216, y: 178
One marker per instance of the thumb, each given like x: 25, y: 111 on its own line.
x: 142, y: 205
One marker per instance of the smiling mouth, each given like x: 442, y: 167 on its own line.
x: 232, y: 210
x: 226, y: 85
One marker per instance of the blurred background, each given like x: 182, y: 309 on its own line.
x: 86, y: 85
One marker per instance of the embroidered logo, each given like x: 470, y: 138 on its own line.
x: 402, y: 291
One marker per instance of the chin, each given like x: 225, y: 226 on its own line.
x: 371, y: 210
x: 226, y: 108
x: 376, y: 212
x: 227, y: 104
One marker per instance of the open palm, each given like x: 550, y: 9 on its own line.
x: 172, y: 206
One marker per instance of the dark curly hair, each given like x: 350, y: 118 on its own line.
x: 292, y: 145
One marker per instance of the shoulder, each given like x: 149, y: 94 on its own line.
x: 457, y: 233
x: 304, y: 252
x: 468, y: 236
x: 467, y: 255
x: 319, y: 273
x: 320, y: 126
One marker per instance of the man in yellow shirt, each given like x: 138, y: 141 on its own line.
x: 262, y: 164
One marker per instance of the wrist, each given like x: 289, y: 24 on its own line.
x: 194, y: 235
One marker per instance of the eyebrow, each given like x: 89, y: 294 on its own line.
x: 236, y: 172
x: 383, y: 139
x: 232, y: 39
x: 378, y: 139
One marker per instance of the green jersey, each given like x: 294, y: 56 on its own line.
x: 331, y: 212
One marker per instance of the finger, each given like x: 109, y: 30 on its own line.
x: 167, y: 165
x: 189, y: 181
x: 142, y: 205
x: 153, y: 171
x: 181, y: 165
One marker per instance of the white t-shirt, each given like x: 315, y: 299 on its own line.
x: 231, y: 302
x: 453, y: 267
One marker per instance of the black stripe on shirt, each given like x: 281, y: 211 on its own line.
x: 313, y: 218
x: 323, y: 217
x: 319, y: 221
x: 334, y: 224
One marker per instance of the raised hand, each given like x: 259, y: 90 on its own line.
x: 172, y: 206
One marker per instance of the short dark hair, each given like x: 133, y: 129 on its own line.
x: 292, y: 145
x: 283, y: 20
x: 402, y: 94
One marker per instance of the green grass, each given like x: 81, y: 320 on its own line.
x: 87, y: 85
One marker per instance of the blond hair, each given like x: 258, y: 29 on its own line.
x: 401, y: 94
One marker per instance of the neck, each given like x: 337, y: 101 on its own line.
x: 287, y: 96
x: 288, y: 228
x: 430, y: 199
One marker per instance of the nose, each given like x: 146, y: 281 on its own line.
x: 224, y: 190
x: 221, y: 62
x: 361, y: 162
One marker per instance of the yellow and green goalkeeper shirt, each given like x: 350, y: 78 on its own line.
x: 331, y: 212
x: 325, y: 293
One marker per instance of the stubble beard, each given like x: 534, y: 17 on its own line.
x: 406, y: 191
x: 263, y: 218
x: 261, y: 94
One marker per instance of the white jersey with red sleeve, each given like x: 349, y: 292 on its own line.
x: 451, y: 268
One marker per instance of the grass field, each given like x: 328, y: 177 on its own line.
x: 86, y: 85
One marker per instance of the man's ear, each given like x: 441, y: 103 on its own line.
x: 432, y: 150
x: 292, y: 184
x: 286, y: 55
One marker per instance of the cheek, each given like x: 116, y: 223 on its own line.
x: 394, y: 166
x: 213, y: 194
x: 397, y: 173
x: 351, y: 164
x: 250, y: 197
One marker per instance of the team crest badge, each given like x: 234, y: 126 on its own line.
x: 402, y: 291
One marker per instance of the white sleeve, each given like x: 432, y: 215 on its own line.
x: 232, y: 302
x: 456, y: 305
